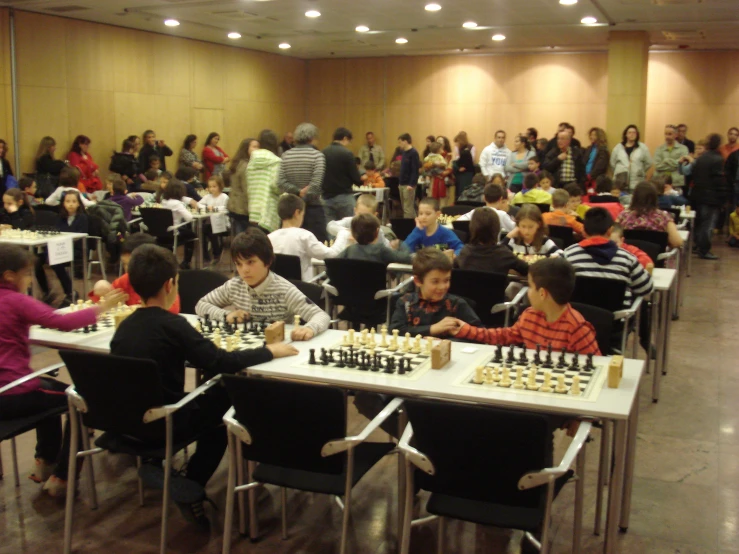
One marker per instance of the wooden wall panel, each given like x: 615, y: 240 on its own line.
x: 42, y: 111
x: 40, y: 49
x: 89, y: 114
x: 6, y: 107
x: 204, y: 122
x: 168, y: 116
x: 327, y: 82
x: 4, y: 46
x: 208, y: 77
x: 91, y: 56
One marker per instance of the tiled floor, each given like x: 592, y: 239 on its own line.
x: 686, y: 489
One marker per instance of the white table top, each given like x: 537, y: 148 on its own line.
x: 42, y: 240
x: 663, y: 278
x: 687, y: 215
x: 684, y: 233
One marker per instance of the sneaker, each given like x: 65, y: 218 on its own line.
x: 194, y: 512
x: 42, y: 471
x: 56, y: 487
x: 708, y: 256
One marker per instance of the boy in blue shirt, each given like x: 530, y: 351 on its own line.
x: 428, y: 232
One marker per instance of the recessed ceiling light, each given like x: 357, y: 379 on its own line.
x: 498, y: 37
x: 312, y: 13
x: 589, y: 20
x: 234, y: 35
x: 567, y: 2
x: 401, y: 40
x: 284, y: 45
x: 362, y: 29
x: 433, y: 7
x: 171, y: 22
x: 469, y: 24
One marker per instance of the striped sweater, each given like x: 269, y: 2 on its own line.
x: 303, y: 166
x: 570, y: 331
x: 548, y: 247
x: 600, y: 257
x: 275, y: 299
x: 261, y: 189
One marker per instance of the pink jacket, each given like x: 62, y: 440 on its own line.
x: 17, y: 313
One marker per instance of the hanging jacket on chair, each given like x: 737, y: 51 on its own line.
x: 112, y: 221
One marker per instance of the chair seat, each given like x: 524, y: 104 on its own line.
x: 365, y: 456
x: 10, y: 428
x: 123, y: 444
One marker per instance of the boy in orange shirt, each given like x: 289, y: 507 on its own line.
x: 559, y: 215
x: 617, y: 236
x: 371, y: 177
x: 123, y: 283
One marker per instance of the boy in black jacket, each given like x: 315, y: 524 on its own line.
x: 153, y: 333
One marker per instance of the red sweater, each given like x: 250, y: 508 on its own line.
x: 640, y: 255
x: 124, y: 283
x: 211, y: 158
x: 570, y: 331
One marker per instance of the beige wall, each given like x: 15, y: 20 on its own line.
x: 6, y: 101
x: 109, y: 82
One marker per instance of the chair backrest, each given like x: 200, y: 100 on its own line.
x: 289, y: 422
x: 464, y: 236
x: 562, y: 232
x: 480, y: 453
x: 485, y: 288
x: 676, y: 214
x: 46, y: 218
x: 657, y: 237
x: 601, y: 292
x: 118, y: 391
x: 470, y: 203
x: 463, y: 226
x: 604, y: 199
x: 455, y: 210
x: 314, y: 293
x: 158, y: 221
x: 542, y: 207
x: 94, y: 226
x: 403, y: 227
x: 601, y: 320
x: 287, y: 266
x: 357, y: 282
x: 649, y: 248
x: 196, y: 283
x: 559, y: 242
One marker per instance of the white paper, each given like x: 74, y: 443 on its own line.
x: 218, y: 223
x: 469, y: 350
x: 60, y: 251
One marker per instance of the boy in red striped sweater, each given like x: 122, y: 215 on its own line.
x: 549, y: 320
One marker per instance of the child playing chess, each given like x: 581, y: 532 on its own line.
x: 534, y: 166
x: 16, y: 214
x: 428, y: 232
x: 617, y: 236
x: 28, y: 185
x: 558, y: 214
x: 532, y: 193
x: 366, y: 235
x: 152, y: 332
x: 530, y: 234
x: 18, y: 312
x: 575, y: 205
x: 216, y: 200
x: 366, y: 204
x: 123, y: 283
x: 259, y: 294
x: 119, y: 195
x: 372, y: 177
x: 667, y: 197
x: 69, y: 178
x: 549, y: 321
x: 174, y: 199
x: 296, y: 241
x: 431, y: 310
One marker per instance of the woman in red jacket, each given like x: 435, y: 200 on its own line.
x: 80, y: 158
x: 214, y: 158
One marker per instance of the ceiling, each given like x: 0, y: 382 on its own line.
x: 529, y: 26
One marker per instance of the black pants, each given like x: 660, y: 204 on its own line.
x: 315, y: 221
x: 239, y: 222
x: 61, y: 274
x: 215, y: 239
x: 52, y: 445
x: 185, y: 237
x: 706, y: 220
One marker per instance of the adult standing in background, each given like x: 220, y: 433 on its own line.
x: 238, y: 200
x: 632, y: 157
x: 564, y: 126
x: 565, y: 162
x: 287, y: 143
x: 463, y: 162
x: 214, y: 158
x: 261, y: 183
x: 494, y: 156
x: 153, y: 147
x: 732, y: 144
x: 341, y: 173
x: 518, y: 162
x: 682, y: 131
x: 532, y: 135
x: 5, y: 169
x: 372, y: 152
x: 47, y: 168
x: 410, y: 164
x: 667, y: 157
x: 710, y: 192
x: 301, y: 173
x: 731, y: 169
x: 448, y: 175
x: 188, y: 157
x: 124, y: 164
x: 595, y: 156
x: 427, y: 150
x: 79, y: 156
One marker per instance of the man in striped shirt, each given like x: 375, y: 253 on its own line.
x: 549, y: 321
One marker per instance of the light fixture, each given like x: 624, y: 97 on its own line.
x: 362, y: 29
x: 171, y: 22
x: 433, y: 7
x: 401, y: 40
x: 284, y: 46
x: 589, y: 20
x: 234, y: 35
x: 469, y: 24
x: 567, y: 2
x: 312, y: 13
x: 498, y: 37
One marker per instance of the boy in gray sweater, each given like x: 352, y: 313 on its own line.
x: 365, y: 232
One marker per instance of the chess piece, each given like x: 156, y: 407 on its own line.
x: 217, y: 340
x: 537, y: 355
x: 324, y: 357
x: 296, y: 322
x: 229, y: 344
x: 407, y: 343
x: 575, y: 388
x: 390, y: 365
x: 547, y: 385
x: 506, y: 380
x: 489, y: 377
x: 363, y: 337
x: 416, y: 345
x: 589, y: 366
x: 549, y: 362
x: 562, y: 362
x: 351, y: 336
x: 522, y: 358
x: 561, y: 388
x: 346, y: 341
x: 519, y: 378
x: 498, y: 354
x: 511, y: 355
x: 532, y: 384
x: 575, y: 366
x: 477, y: 378
x: 383, y: 334
x: 404, y: 364
x: 496, y: 373
x: 429, y: 345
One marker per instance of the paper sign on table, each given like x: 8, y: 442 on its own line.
x: 218, y: 223
x: 60, y: 251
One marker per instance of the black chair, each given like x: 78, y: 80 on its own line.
x: 462, y: 235
x: 565, y: 234
x: 95, y: 244
x: 657, y: 237
x: 287, y: 266
x: 603, y: 199
x: 602, y: 322
x: 542, y: 207
x: 488, y: 466
x: 124, y: 398
x: 361, y: 287
x: 463, y: 226
x: 314, y: 293
x: 194, y: 284
x: 11, y: 428
x: 649, y: 248
x: 471, y: 203
x: 402, y: 227
x: 455, y: 210
x: 676, y: 214
x: 487, y: 291
x: 295, y: 433
x: 559, y: 242
x: 159, y: 223
x: 46, y: 218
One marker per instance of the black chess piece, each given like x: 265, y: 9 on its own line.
x: 324, y: 357
x: 575, y: 366
x: 537, y: 355
x: 312, y: 359
x: 94, y: 327
x: 86, y: 329
x: 402, y: 368
x: 376, y: 362
x: 522, y: 358
x: 589, y: 366
x: 511, y: 355
x: 390, y: 364
x: 340, y: 364
x: 562, y: 362
x: 350, y: 358
x: 498, y: 354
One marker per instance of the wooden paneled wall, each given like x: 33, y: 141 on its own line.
x: 109, y: 82
x: 6, y: 101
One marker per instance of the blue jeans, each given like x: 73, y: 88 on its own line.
x: 339, y: 207
x: 239, y: 222
x: 707, y: 217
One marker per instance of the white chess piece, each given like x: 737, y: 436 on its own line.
x: 575, y: 388
x: 429, y: 345
x: 394, y: 341
x: 363, y: 338
x: 383, y: 333
x: 351, y: 336
x: 506, y: 380
x: 489, y: 377
x: 477, y: 378
x: 532, y: 384
x: 561, y: 387
x: 416, y: 345
x: 347, y: 341
x: 229, y: 344
x: 407, y: 342
x: 519, y: 378
x: 496, y: 373
x: 297, y: 321
x: 547, y: 385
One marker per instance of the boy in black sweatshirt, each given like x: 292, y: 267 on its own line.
x: 154, y: 333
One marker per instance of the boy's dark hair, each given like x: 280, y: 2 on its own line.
x: 714, y: 141
x: 493, y: 192
x: 341, y: 133
x: 429, y: 201
x: 560, y: 198
x: 365, y: 228
x: 603, y: 184
x: 135, y: 240
x: 530, y: 181
x: 573, y: 189
x: 370, y: 166
x: 434, y: 147
x: 406, y: 137
x: 542, y: 142
x: 62, y: 210
x: 479, y: 179
x: 13, y: 258
x: 154, y: 158
x: 174, y: 190
x: 429, y: 259
x: 25, y: 183
x: 556, y: 276
x: 186, y: 174
x: 151, y: 175
x: 535, y: 159
x: 165, y: 175
x: 597, y: 222
x: 621, y: 181
x: 150, y: 267
x: 357, y: 160
x: 287, y: 205
x: 252, y: 242
x: 119, y: 187
x: 69, y: 177
x: 667, y: 179
x: 484, y: 227
x: 544, y: 174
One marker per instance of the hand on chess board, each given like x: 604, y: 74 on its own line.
x: 448, y: 325
x: 238, y: 316
x: 457, y: 325
x: 302, y: 333
x: 282, y: 350
x: 111, y: 300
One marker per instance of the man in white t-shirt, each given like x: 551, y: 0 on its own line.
x: 494, y: 156
x: 496, y: 198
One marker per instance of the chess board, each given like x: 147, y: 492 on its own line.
x: 244, y: 336
x: 34, y: 235
x: 530, y: 258
x: 105, y: 324
x: 591, y: 380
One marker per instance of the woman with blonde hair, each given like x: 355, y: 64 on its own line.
x: 595, y: 157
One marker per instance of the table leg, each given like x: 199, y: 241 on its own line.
x: 84, y: 267
x: 659, y: 334
x: 629, y: 468
x: 679, y: 279
x: 689, y: 247
x: 616, y: 488
x: 385, y: 202
x: 402, y: 422
x: 199, y: 227
x: 667, y: 328
x: 34, y: 283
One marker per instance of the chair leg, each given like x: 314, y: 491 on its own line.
x: 405, y: 540
x: 579, y: 497
x: 89, y: 469
x: 230, y: 494
x: 605, y: 441
x: 440, y: 535
x: 139, y: 481
x: 14, y: 452
x: 239, y: 464
x: 347, y: 499
x: 167, y: 484
x: 74, y: 433
x: 547, y: 518
x: 283, y: 500
x: 253, y: 522
x: 101, y: 259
